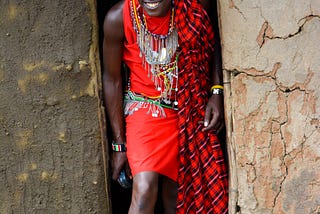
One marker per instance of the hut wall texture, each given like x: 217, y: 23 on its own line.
x: 271, y: 62
x: 50, y: 140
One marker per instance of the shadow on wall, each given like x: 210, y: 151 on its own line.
x: 120, y: 198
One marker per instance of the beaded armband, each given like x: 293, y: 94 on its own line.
x: 118, y: 147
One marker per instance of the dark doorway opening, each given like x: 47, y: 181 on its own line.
x: 120, y: 198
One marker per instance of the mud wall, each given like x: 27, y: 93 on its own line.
x: 50, y: 142
x: 271, y: 62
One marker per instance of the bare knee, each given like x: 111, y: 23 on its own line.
x: 144, y: 194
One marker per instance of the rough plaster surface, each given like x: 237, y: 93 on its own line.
x: 50, y: 141
x: 272, y: 69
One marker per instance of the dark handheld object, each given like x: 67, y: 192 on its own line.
x: 124, y: 180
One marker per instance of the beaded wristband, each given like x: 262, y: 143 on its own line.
x: 118, y: 147
x: 217, y: 89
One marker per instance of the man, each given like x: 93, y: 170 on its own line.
x: 166, y: 130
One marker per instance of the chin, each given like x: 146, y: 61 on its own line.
x: 156, y: 7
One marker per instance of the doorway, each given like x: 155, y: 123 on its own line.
x: 120, y: 198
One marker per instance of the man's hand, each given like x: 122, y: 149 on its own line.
x: 119, y: 162
x: 214, y: 115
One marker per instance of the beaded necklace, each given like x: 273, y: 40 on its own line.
x: 158, y: 53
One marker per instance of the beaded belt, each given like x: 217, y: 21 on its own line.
x: 134, y: 101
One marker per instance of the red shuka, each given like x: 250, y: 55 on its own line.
x: 203, y: 181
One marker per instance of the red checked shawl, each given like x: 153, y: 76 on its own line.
x: 202, y: 175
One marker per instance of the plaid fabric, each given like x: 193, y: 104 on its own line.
x: 202, y: 177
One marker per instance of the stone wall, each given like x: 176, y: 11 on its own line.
x: 50, y: 142
x: 271, y: 62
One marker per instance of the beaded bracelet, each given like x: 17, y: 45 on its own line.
x: 217, y: 89
x: 118, y: 147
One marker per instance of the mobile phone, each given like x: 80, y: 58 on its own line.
x: 124, y: 180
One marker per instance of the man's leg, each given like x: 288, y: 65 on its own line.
x: 169, y: 195
x: 144, y: 193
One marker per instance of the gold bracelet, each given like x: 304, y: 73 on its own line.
x: 216, y: 86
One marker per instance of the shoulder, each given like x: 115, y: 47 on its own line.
x: 114, y: 18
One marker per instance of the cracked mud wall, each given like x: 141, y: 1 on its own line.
x: 271, y: 62
x: 50, y: 142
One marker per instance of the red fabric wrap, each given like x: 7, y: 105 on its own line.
x: 202, y: 175
x: 152, y: 143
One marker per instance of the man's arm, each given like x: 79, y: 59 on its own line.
x: 214, y: 116
x: 211, y: 7
x: 112, y: 80
x: 216, y: 72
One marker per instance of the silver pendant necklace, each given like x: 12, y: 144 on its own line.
x: 158, y: 53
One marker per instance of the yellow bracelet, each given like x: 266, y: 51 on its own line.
x: 216, y: 86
